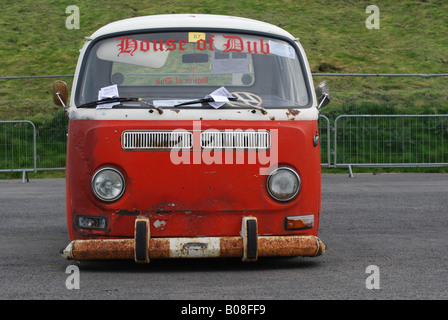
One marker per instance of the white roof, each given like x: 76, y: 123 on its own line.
x: 190, y: 21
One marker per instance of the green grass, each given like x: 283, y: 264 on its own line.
x: 411, y: 39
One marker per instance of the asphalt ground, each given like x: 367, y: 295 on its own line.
x: 388, y: 231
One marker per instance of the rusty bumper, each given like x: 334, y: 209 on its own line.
x: 249, y: 246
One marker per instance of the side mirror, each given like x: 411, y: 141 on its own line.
x: 60, y: 93
x: 323, y: 94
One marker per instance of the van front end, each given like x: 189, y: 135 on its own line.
x: 193, y: 201
x: 193, y: 139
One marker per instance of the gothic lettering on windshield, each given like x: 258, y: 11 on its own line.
x: 189, y: 65
x: 229, y: 43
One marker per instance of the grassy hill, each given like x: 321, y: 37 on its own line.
x: 411, y: 39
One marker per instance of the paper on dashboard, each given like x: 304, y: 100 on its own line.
x: 108, y: 92
x: 220, y: 96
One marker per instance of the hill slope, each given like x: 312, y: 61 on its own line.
x: 411, y: 39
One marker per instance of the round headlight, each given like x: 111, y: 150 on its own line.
x: 283, y: 184
x: 108, y: 184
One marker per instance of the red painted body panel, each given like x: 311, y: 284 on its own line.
x: 188, y: 200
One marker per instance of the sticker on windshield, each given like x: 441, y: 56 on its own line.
x: 174, y: 80
x: 196, y: 36
x: 282, y: 49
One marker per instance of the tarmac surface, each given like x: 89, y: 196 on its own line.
x: 386, y: 231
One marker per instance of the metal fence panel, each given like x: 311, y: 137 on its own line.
x: 325, y: 140
x: 391, y: 141
x: 358, y: 141
x: 17, y: 146
x: 52, y: 143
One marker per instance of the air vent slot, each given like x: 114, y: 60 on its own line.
x: 236, y: 140
x: 135, y: 140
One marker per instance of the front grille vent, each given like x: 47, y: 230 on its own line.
x: 132, y: 140
x: 236, y: 140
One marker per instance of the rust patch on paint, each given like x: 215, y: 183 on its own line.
x: 230, y: 247
x: 292, y: 113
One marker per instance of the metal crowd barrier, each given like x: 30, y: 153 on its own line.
x: 385, y: 141
x: 18, y: 147
x: 375, y: 141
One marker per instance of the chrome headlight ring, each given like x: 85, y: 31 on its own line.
x: 108, y: 184
x: 283, y: 184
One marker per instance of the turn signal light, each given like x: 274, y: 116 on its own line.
x: 88, y: 222
x: 299, y: 222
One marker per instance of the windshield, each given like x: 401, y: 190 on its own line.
x: 167, y: 69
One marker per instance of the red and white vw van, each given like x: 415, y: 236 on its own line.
x: 192, y: 136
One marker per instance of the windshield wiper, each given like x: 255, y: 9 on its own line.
x: 210, y: 99
x: 203, y: 100
x: 96, y: 103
